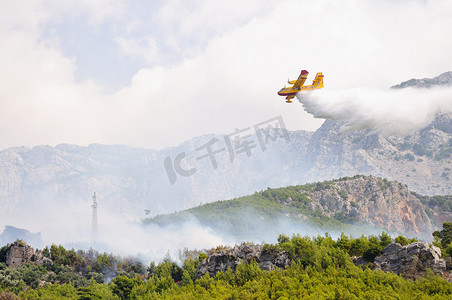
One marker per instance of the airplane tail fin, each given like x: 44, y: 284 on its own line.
x: 318, y: 81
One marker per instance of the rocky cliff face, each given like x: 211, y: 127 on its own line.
x: 19, y: 253
x: 375, y: 201
x: 413, y: 260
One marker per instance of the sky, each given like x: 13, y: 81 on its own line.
x: 156, y: 73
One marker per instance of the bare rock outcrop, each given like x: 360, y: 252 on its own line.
x: 412, y: 261
x: 231, y: 257
x: 375, y: 201
x: 19, y: 253
x: 445, y: 79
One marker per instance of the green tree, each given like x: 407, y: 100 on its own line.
x: 65, y: 274
x: 385, y: 239
x: 58, y: 255
x: 51, y: 292
x: 46, y: 252
x: 202, y: 256
x: 189, y: 269
x: 151, y: 269
x: 98, y: 277
x: 168, y: 268
x: 445, y: 235
x: 247, y: 272
x: 105, y: 264
x: 401, y: 240
x: 122, y: 285
x: 374, y: 249
x: 282, y: 238
x: 186, y: 278
x: 358, y: 246
x: 449, y: 249
x: 100, y: 289
x: 31, y: 274
x: 344, y: 242
x: 3, y: 254
x: 10, y: 279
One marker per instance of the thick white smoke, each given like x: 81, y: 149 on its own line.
x: 388, y: 112
x: 70, y: 226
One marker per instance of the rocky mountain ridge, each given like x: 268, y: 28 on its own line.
x: 11, y: 233
x: 445, y: 79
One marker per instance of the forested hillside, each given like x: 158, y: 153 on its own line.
x: 315, y: 267
x: 353, y: 205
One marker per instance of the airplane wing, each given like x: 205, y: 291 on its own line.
x: 301, y: 79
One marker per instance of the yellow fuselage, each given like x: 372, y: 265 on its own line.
x: 286, y: 91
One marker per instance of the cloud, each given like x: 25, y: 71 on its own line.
x: 188, y: 26
x: 388, y: 112
x: 145, y: 48
x: 222, y: 71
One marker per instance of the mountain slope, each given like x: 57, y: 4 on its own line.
x: 347, y: 204
x: 444, y: 79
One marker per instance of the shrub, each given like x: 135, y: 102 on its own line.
x: 401, y: 240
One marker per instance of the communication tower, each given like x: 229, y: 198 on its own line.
x: 94, y: 232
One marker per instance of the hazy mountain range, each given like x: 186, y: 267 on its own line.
x: 131, y: 180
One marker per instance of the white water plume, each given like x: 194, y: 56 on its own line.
x: 388, y: 112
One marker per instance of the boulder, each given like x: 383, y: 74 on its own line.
x: 412, y: 261
x: 20, y: 253
x: 245, y: 253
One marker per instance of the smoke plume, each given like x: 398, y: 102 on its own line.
x: 388, y: 112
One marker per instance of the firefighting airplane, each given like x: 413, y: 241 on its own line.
x: 298, y: 86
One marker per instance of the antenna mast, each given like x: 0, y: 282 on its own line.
x: 94, y: 232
